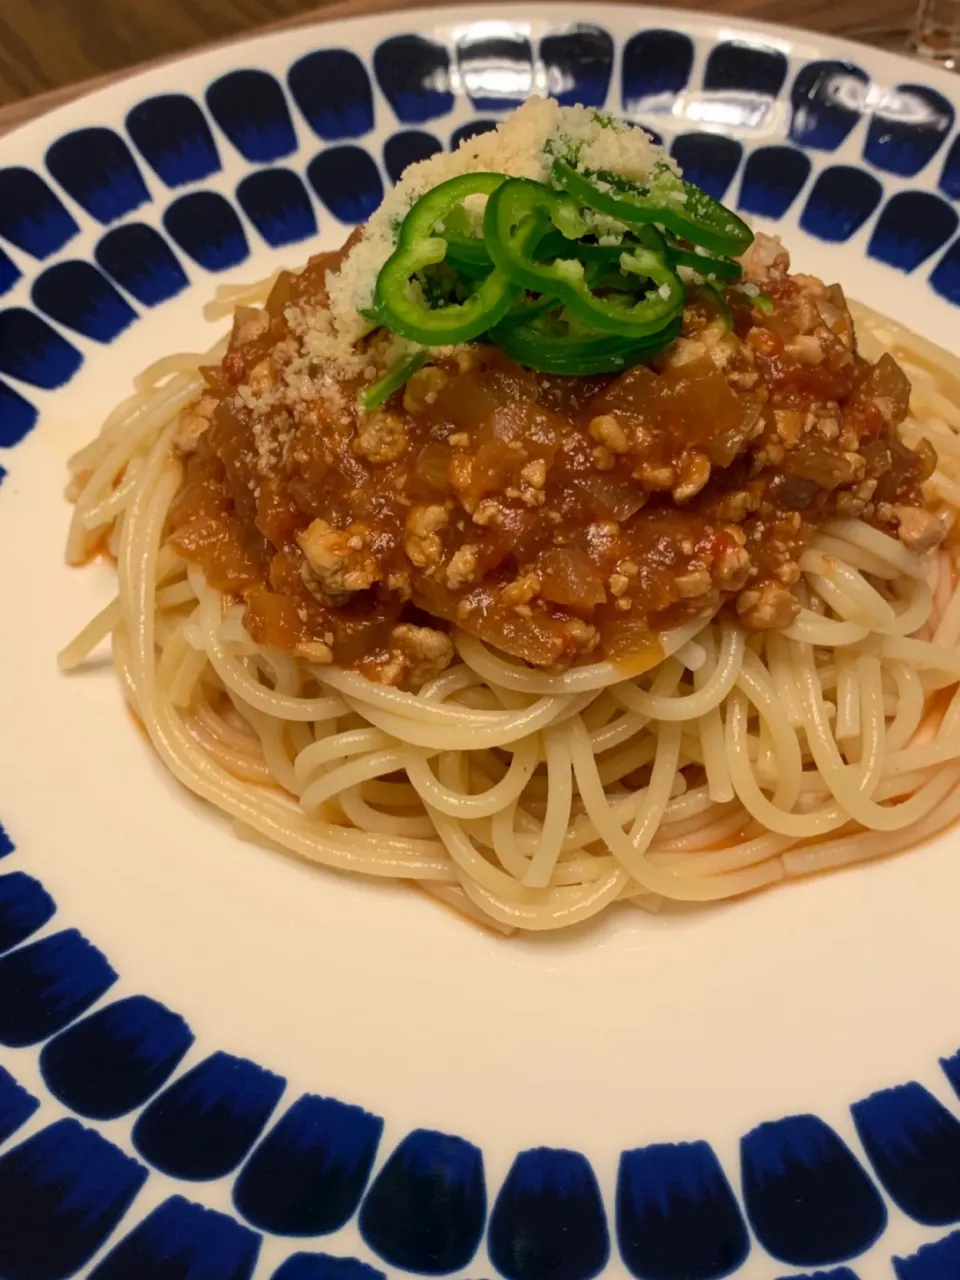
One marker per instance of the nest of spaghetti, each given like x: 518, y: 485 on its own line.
x: 541, y: 643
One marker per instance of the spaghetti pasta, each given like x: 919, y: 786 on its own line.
x: 726, y: 762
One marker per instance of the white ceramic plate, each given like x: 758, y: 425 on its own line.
x: 219, y: 1062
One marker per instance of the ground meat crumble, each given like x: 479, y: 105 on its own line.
x: 555, y: 518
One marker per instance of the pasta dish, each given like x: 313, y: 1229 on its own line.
x: 551, y: 545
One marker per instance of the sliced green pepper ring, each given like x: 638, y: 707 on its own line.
x: 548, y: 345
x: 722, y: 268
x: 716, y: 299
x: 696, y: 217
x: 421, y: 244
x: 512, y: 209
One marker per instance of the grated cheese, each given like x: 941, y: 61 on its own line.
x: 523, y: 146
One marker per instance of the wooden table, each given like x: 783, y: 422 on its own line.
x: 51, y: 51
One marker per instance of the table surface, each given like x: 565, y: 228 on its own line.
x: 51, y: 50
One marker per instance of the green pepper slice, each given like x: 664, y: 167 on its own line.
x: 721, y: 268
x: 549, y: 344
x: 421, y: 244
x: 397, y: 376
x: 697, y: 217
x: 511, y: 211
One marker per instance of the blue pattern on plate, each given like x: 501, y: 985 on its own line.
x: 808, y: 1200
x: 913, y: 1143
x: 414, y: 74
x: 46, y: 984
x: 497, y: 70
x: 548, y: 1221
x: 17, y: 419
x: 6, y: 844
x: 207, y: 229
x: 251, y: 109
x: 17, y: 1105
x: 677, y: 1217
x: 939, y: 1261
x: 911, y: 228
x: 348, y: 182
x: 656, y: 66
x: 841, y: 1273
x: 34, y: 352
x: 406, y: 148
x: 10, y: 273
x: 708, y: 159
x: 31, y: 216
x: 114, y: 1060
x: 579, y: 64
x: 78, y: 296
x: 96, y: 167
x: 204, y: 1124
x: 62, y: 1192
x: 773, y: 177
x: 171, y: 133
x: 25, y: 907
x: 945, y: 277
x: 470, y: 130
x: 182, y: 1241
x: 426, y: 1209
x: 742, y: 67
x: 951, y: 1065
x: 307, y: 1176
x: 950, y: 177
x: 277, y: 203
x: 827, y: 99
x: 842, y: 199
x: 332, y: 89
x: 142, y: 263
x: 908, y: 127
x: 322, y: 1266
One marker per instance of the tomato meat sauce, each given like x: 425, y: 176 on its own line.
x: 561, y: 520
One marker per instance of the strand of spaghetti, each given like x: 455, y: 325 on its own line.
x: 329, y: 785
x: 750, y: 853
x: 487, y: 803
x: 238, y: 679
x: 835, y: 773
x: 812, y: 629
x: 692, y: 705
x: 338, y: 745
x: 453, y: 896
x: 367, y: 818
x: 848, y: 697
x: 755, y: 682
x: 505, y: 842
x: 947, y: 633
x: 730, y: 822
x: 240, y: 766
x: 918, y: 653
x: 507, y: 728
x: 844, y: 852
x: 112, y: 506
x: 557, y: 816
x: 564, y: 908
x: 910, y: 706
x: 711, y: 726
x: 498, y: 671
x: 881, y: 544
x: 848, y: 587
x: 857, y: 557
x: 643, y: 871
x: 97, y: 629
x: 401, y: 705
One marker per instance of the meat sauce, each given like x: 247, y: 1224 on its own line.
x: 558, y: 519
